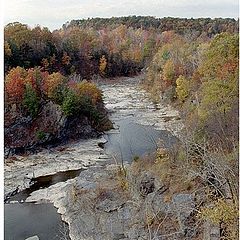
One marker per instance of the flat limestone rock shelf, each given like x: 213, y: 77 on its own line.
x: 138, y: 126
x: 19, y: 170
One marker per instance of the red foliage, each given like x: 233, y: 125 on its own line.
x: 228, y: 68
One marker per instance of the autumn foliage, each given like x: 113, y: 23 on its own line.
x: 28, y: 88
x: 53, y: 85
x: 14, y: 85
x: 197, y: 70
x: 89, y: 90
x: 201, y: 78
x: 85, y: 46
x: 102, y: 65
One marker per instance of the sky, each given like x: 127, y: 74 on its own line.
x: 54, y: 13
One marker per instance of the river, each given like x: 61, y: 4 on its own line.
x: 139, y: 127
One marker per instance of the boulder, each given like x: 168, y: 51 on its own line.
x: 183, y: 205
x: 146, y: 185
x: 33, y: 238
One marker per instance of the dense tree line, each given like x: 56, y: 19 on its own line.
x: 79, y: 50
x: 177, y: 63
x: 191, y: 62
x: 126, y: 44
x: 42, y: 108
x: 201, y: 76
x: 27, y: 89
x: 198, y: 26
x: 172, y: 49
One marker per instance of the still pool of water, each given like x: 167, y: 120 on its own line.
x: 134, y: 139
x: 44, y: 182
x: 23, y: 220
x: 28, y: 219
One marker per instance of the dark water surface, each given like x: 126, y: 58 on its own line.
x: 23, y: 220
x: 135, y: 139
x: 44, y: 182
x: 28, y: 219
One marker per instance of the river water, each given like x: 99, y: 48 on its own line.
x: 139, y: 127
x: 135, y: 140
x: 28, y: 219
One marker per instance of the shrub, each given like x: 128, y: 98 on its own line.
x: 136, y: 158
x: 225, y: 214
x: 31, y: 101
x: 89, y: 90
x: 70, y: 104
x: 169, y: 72
x: 41, y: 135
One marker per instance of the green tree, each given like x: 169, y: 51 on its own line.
x: 31, y: 101
x: 219, y: 69
x: 70, y: 104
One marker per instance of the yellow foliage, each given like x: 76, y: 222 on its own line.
x: 45, y: 63
x: 121, y: 177
x: 221, y: 211
x: 225, y: 213
x: 66, y: 59
x: 182, y: 88
x: 168, y: 71
x: 102, y: 64
x: 7, y: 49
x: 136, y: 55
x: 217, y: 97
x: 85, y: 88
x: 162, y: 164
x: 53, y: 81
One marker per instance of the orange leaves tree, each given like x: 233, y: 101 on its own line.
x: 14, y: 85
x: 54, y: 86
x: 24, y: 88
x: 29, y: 89
x: 36, y: 79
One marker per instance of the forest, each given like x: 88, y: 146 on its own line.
x: 201, y: 79
x: 126, y: 44
x: 192, y: 64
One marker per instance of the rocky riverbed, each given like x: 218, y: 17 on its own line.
x: 100, y: 203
